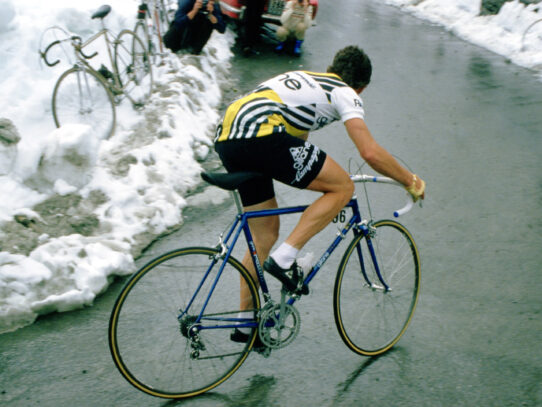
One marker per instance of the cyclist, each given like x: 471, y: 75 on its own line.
x: 266, y: 131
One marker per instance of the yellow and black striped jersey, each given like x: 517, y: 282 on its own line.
x: 294, y: 102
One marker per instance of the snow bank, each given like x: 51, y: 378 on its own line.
x: 76, y: 209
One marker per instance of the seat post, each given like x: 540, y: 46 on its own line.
x: 237, y: 201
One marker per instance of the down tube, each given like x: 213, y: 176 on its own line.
x: 356, y: 218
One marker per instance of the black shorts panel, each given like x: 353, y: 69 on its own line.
x: 282, y: 157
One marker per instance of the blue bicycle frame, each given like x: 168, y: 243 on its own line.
x: 241, y: 224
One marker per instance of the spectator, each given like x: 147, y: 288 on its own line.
x: 193, y: 24
x: 295, y: 19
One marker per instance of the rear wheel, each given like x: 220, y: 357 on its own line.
x: 133, y: 64
x: 142, y: 32
x: 166, y: 12
x: 80, y: 96
x: 370, y: 318
x: 157, y: 339
x: 162, y: 16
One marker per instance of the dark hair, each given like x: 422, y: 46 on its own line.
x: 353, y: 66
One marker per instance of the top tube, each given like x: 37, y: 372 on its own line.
x: 231, y: 181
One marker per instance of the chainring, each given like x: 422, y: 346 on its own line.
x: 279, y: 325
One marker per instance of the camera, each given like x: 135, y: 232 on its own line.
x: 203, y: 8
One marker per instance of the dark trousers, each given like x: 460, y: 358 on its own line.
x: 193, y: 37
x: 253, y: 21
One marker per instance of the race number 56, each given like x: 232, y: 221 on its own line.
x: 341, y: 217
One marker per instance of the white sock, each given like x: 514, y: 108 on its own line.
x: 285, y: 255
x: 247, y: 315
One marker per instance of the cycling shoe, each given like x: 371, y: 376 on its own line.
x: 291, y: 278
x: 241, y: 337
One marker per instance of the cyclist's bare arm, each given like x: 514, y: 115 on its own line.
x: 376, y: 156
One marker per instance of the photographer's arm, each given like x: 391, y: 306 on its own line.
x: 195, y: 9
x: 186, y: 11
x: 308, y: 15
x: 287, y: 12
x: 215, y: 17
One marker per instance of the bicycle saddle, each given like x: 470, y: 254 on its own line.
x: 102, y: 11
x: 229, y: 181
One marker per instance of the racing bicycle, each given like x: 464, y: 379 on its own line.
x: 153, y: 19
x: 170, y: 328
x: 83, y: 94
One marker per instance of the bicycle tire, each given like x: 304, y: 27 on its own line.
x: 81, y: 96
x: 147, y: 339
x: 371, y: 320
x: 161, y: 25
x: 133, y: 67
x: 166, y: 11
x: 142, y: 32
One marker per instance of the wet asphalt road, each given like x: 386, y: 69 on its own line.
x: 466, y: 121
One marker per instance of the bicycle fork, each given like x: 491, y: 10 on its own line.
x: 369, y: 232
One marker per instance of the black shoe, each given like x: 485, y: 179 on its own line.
x: 292, y: 278
x: 241, y: 337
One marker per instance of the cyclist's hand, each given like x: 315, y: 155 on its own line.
x: 417, y: 189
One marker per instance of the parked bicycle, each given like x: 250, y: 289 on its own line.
x: 169, y: 331
x: 153, y: 18
x: 83, y: 94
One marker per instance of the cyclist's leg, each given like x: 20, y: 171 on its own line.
x: 338, y: 189
x: 255, y: 195
x: 265, y: 232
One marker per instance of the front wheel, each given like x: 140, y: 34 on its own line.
x: 80, y: 96
x: 169, y: 337
x: 371, y: 316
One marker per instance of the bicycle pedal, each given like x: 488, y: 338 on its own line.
x: 294, y: 283
x: 301, y: 288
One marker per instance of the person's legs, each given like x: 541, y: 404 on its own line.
x: 299, y: 31
x: 338, y: 189
x: 294, y: 162
x: 265, y: 232
x: 175, y: 38
x: 253, y: 24
x: 202, y: 30
x: 299, y: 37
x: 282, y: 35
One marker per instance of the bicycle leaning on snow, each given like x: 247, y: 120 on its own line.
x: 86, y: 95
x: 153, y: 19
x: 169, y: 331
